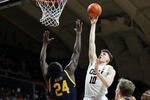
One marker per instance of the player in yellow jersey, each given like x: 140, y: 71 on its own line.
x: 61, y: 81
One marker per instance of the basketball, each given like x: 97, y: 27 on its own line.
x: 94, y: 10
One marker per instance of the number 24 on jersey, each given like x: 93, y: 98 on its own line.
x: 61, y: 88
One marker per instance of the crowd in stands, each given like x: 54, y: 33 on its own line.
x: 7, y: 93
x: 19, y: 62
x: 17, y: 75
x: 13, y: 94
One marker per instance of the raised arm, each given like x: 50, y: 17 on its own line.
x: 71, y: 67
x: 43, y: 62
x: 92, y: 47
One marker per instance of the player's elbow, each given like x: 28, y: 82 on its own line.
x: 111, y: 79
x: 41, y: 63
x: 41, y: 58
x: 108, y: 85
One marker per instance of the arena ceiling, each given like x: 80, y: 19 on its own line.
x: 123, y: 28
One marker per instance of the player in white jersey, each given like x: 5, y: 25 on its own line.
x: 99, y: 75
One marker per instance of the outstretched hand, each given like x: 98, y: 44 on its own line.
x: 46, y: 39
x: 78, y: 28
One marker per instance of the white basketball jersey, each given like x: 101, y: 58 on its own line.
x: 93, y: 85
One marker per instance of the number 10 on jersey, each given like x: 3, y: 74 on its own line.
x: 93, y: 80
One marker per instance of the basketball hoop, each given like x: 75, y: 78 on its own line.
x: 51, y: 11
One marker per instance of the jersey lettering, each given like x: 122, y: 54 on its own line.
x: 61, y: 88
x: 93, y: 72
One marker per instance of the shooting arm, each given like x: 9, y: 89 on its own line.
x: 92, y: 47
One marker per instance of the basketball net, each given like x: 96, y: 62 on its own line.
x: 51, y: 11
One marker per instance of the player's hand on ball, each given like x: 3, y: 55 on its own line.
x: 94, y: 20
x: 46, y: 39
